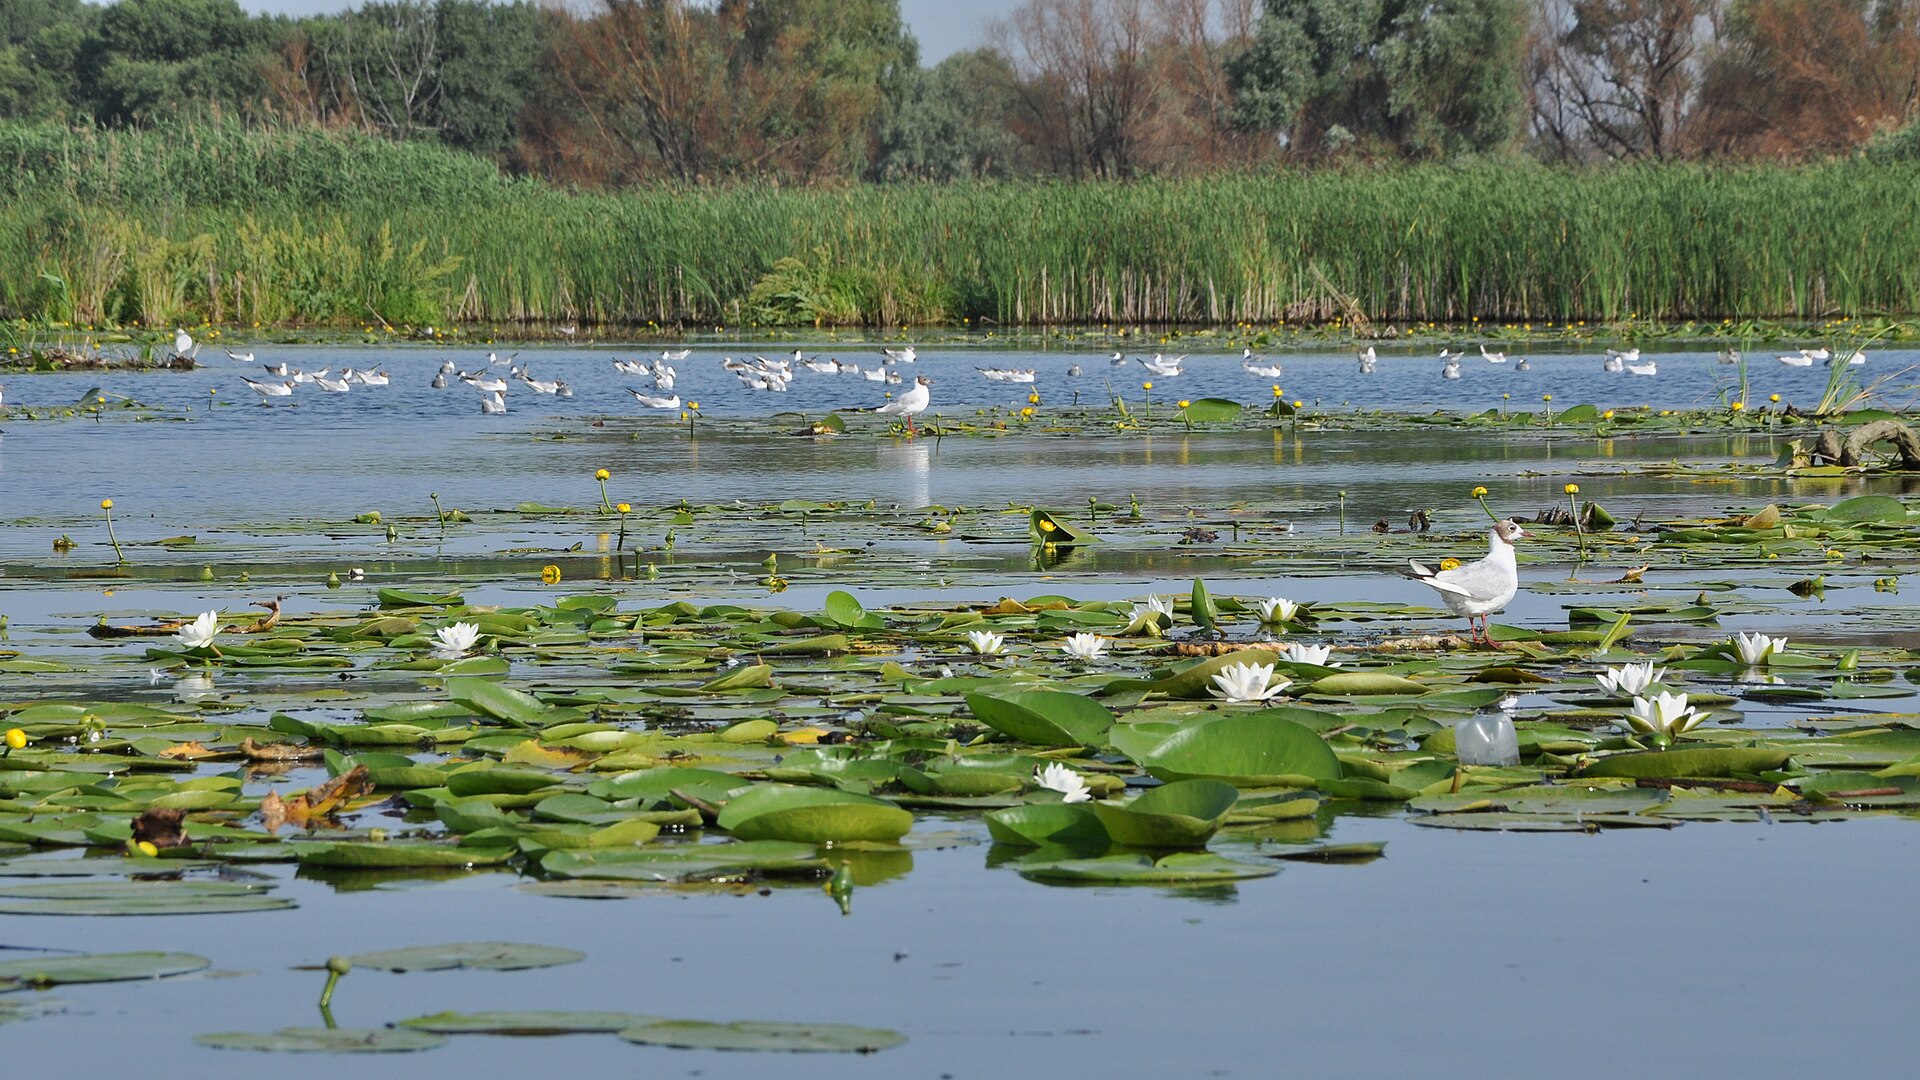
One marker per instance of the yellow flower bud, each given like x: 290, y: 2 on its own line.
x: 1146, y: 386
x: 602, y: 475
x: 625, y: 508
x: 16, y: 739
x: 1479, y: 492
x: 145, y: 847
x: 1572, y: 489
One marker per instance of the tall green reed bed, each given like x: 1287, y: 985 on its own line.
x: 188, y: 225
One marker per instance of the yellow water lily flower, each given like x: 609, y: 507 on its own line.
x: 106, y: 504
x: 550, y: 574
x: 16, y: 739
x: 1572, y: 489
x: 602, y: 475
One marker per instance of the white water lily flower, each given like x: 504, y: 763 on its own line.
x: 199, y: 633
x: 1275, y: 610
x: 1248, y: 682
x: 1084, y: 646
x: 1309, y: 654
x: 985, y: 642
x: 456, y: 641
x: 1160, y: 606
x: 1667, y: 714
x: 1630, y: 680
x: 1057, y: 777
x: 1753, y: 649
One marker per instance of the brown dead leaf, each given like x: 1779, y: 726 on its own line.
x: 530, y: 752
x: 273, y: 812
x: 1007, y: 606
x: 1767, y: 518
x: 160, y: 827
x: 189, y: 751
x: 271, y: 620
x: 1632, y: 577
x: 316, y: 802
x: 256, y: 751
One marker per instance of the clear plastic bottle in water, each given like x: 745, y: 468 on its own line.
x: 1487, y: 739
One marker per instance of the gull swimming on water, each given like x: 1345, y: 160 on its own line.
x: 656, y: 402
x: 900, y: 356
x: 1493, y: 357
x: 1651, y: 367
x: 269, y: 389
x: 332, y: 386
x: 240, y: 358
x: 494, y: 403
x: 1480, y: 588
x: 1367, y: 359
x: 1451, y: 370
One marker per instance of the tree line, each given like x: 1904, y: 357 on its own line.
x: 616, y: 92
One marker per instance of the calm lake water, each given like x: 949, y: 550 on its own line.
x: 1643, y: 951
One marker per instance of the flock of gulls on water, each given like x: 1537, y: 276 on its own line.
x: 776, y: 375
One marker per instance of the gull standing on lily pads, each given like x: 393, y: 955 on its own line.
x: 912, y: 403
x: 1480, y: 588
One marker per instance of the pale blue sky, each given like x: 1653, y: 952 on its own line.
x: 943, y: 26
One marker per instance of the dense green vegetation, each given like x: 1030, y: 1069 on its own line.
x: 191, y: 224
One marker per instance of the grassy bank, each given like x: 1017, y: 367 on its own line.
x: 231, y: 227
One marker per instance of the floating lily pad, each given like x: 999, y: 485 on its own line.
x: 325, y: 1040
x: 1181, y: 814
x: 526, y: 1023
x: 482, y: 955
x: 764, y: 1035
x: 1038, y: 824
x: 1179, y: 868
x: 690, y: 862
x: 99, y: 967
x: 154, y: 905
x: 1043, y: 717
x: 1250, y: 750
x: 1706, y: 761
x: 811, y: 815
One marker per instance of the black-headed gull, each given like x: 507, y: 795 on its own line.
x: 912, y: 403
x: 1480, y: 588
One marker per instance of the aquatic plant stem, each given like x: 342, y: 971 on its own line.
x: 106, y: 507
x: 439, y: 514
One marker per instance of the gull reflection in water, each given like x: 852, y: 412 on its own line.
x: 911, y: 463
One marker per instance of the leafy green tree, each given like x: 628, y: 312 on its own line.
x: 1418, y: 79
x: 146, y: 58
x: 952, y: 122
x: 40, y: 43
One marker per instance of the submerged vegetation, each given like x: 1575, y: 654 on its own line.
x: 195, y: 225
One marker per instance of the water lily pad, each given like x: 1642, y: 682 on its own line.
x: 1181, y: 814
x: 526, y: 1023
x: 154, y: 905
x: 1365, y: 684
x: 690, y: 862
x: 1706, y: 761
x: 99, y: 967
x: 1250, y: 750
x: 481, y: 955
x: 1039, y: 824
x: 765, y: 1036
x: 373, y: 855
x: 1179, y: 868
x: 324, y: 1040
x: 1043, y: 717
x: 811, y: 815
